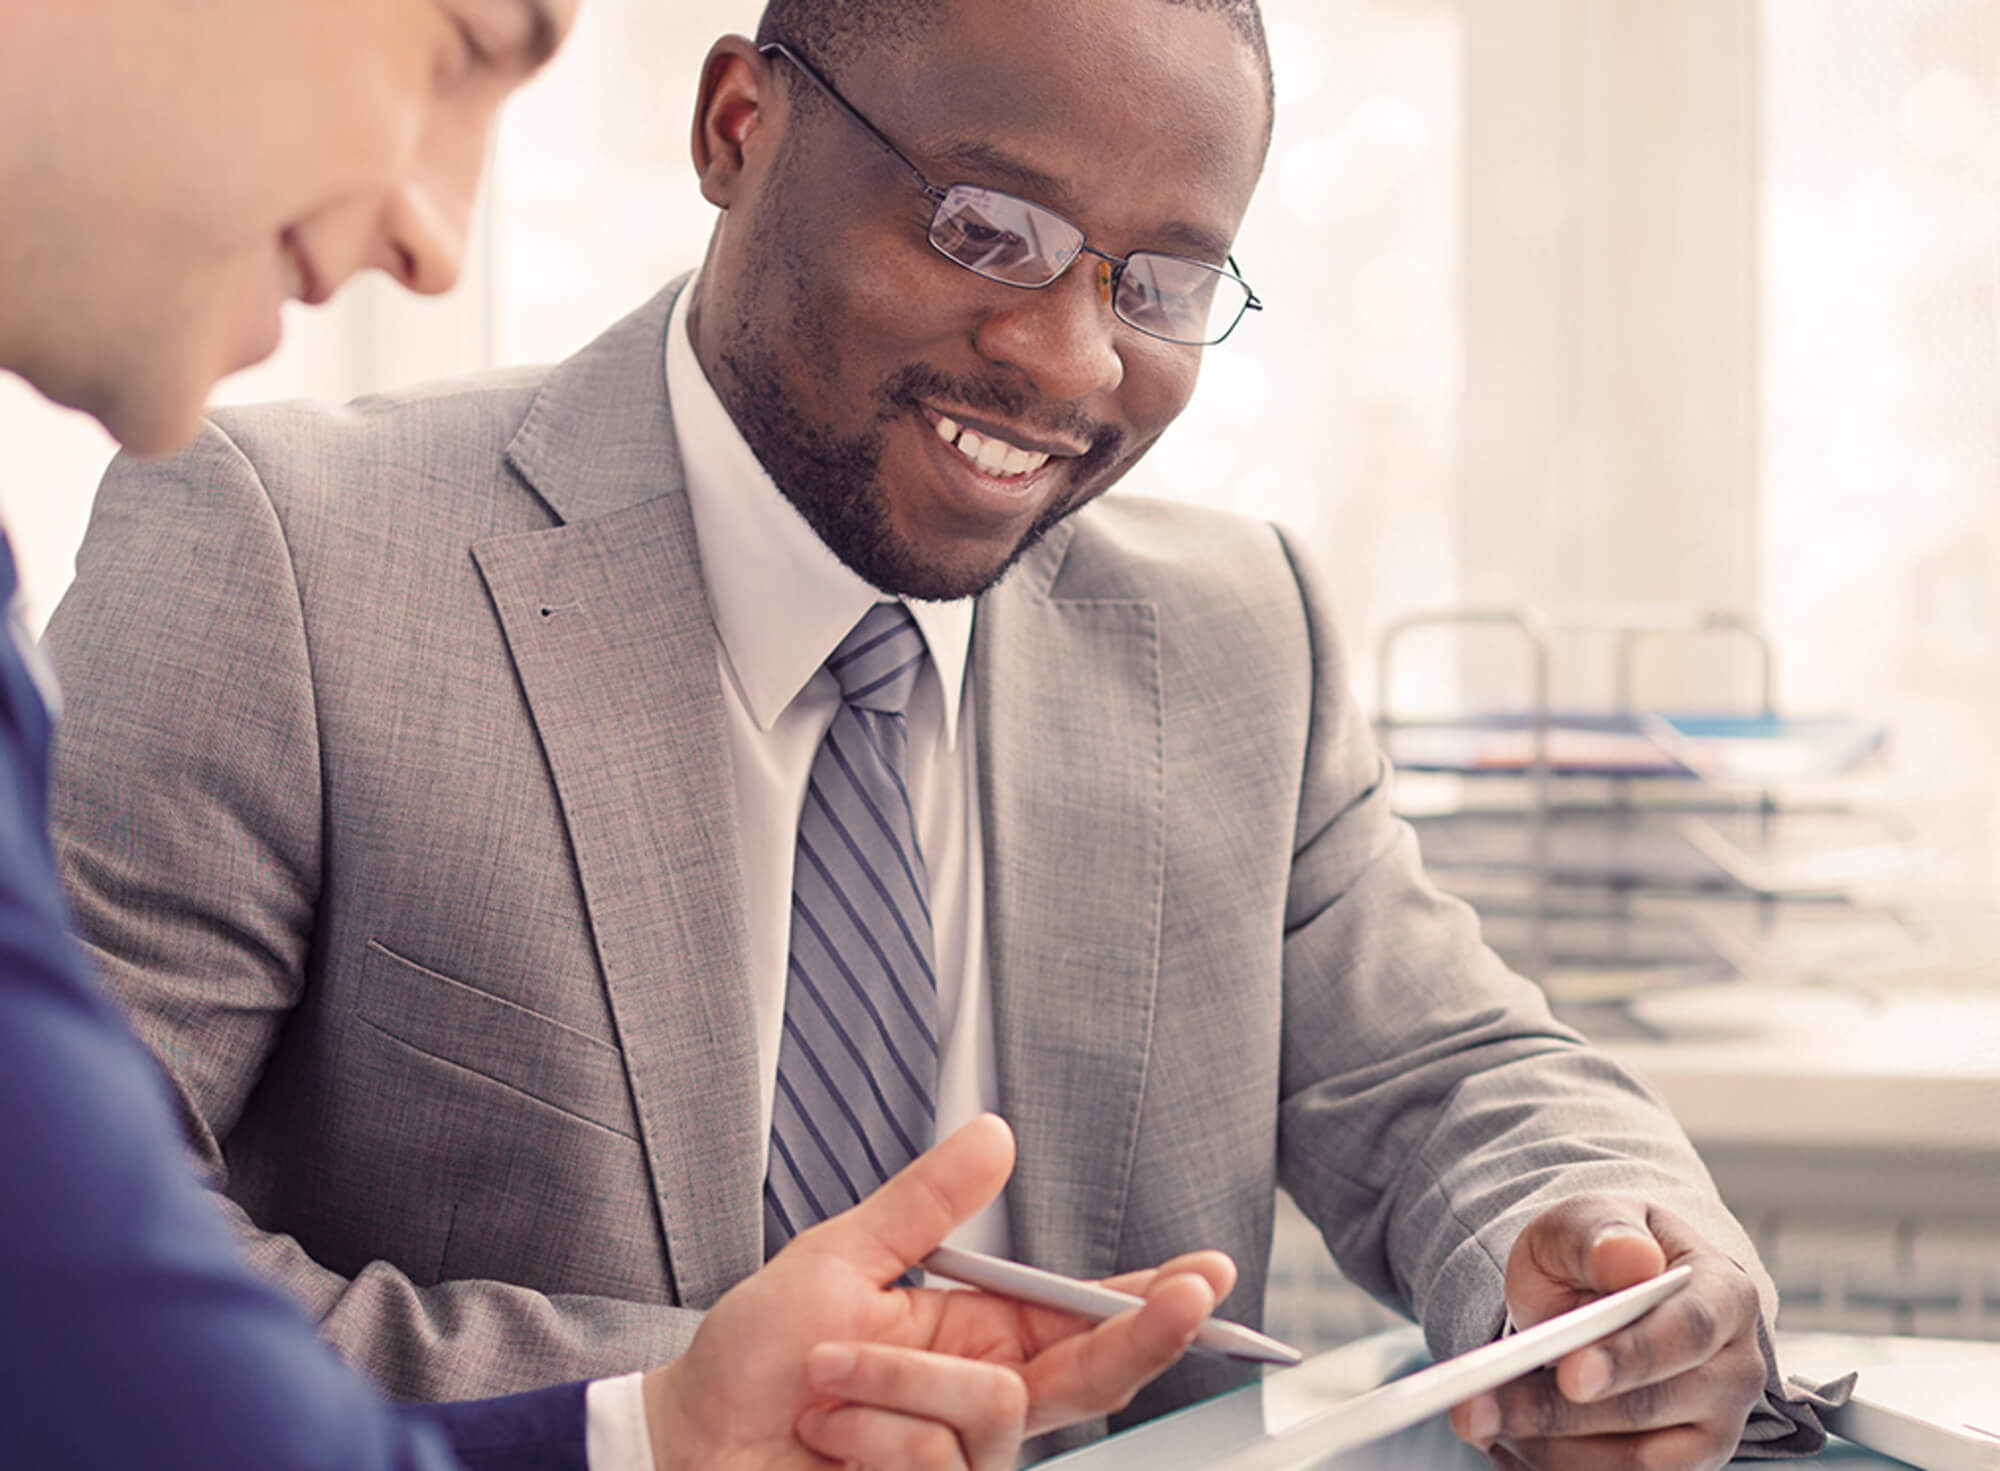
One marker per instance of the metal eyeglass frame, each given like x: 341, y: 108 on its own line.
x: 1117, y: 263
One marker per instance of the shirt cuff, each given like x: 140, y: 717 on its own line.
x: 614, y: 1425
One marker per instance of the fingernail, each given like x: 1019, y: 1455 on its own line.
x: 1482, y: 1420
x: 829, y: 1364
x: 1618, y: 1229
x: 1593, y: 1375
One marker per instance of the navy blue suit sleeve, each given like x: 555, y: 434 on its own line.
x: 131, y: 1334
x: 538, y: 1431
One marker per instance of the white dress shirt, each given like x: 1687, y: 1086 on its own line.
x: 782, y: 603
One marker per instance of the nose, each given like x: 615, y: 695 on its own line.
x: 426, y: 220
x: 1062, y: 337
x: 422, y: 238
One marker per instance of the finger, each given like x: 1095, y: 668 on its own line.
x: 1097, y: 1371
x: 1679, y: 1448
x: 1709, y: 1322
x: 1578, y: 1250
x: 860, y: 1435
x: 905, y: 1220
x: 1535, y: 1408
x: 1049, y: 1326
x: 1217, y: 1268
x: 890, y: 1395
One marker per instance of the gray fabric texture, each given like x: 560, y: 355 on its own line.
x: 394, y: 801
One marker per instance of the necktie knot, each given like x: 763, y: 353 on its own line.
x: 877, y: 664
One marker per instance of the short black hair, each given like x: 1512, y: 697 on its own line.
x: 830, y: 32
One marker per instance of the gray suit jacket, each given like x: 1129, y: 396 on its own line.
x: 394, y: 800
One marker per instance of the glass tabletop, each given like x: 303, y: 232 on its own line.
x: 1216, y: 1430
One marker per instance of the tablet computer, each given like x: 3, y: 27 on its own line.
x: 1404, y: 1402
x: 1940, y: 1414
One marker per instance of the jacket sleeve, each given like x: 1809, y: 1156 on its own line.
x: 134, y: 1333
x: 187, y: 807
x: 1431, y: 1105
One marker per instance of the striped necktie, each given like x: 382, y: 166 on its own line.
x: 857, y: 1063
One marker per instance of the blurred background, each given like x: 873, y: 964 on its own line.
x: 1658, y: 342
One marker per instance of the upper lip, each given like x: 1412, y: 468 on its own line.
x: 1020, y: 438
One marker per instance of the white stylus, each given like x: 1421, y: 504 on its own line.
x: 1089, y: 1300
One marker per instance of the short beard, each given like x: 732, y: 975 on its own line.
x: 835, y: 482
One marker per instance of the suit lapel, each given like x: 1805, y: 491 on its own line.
x: 1072, y: 793
x: 607, y: 620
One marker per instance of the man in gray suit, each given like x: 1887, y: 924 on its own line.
x: 437, y: 766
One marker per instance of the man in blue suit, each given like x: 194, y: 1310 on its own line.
x: 169, y: 175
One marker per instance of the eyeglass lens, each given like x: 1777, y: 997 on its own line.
x: 1009, y: 239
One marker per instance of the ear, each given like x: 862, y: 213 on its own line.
x: 738, y: 100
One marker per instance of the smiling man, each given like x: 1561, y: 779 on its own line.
x: 168, y: 175
x: 586, y: 825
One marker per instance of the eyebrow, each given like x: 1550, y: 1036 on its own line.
x: 986, y: 162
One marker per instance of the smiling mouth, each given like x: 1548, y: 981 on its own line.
x: 988, y: 453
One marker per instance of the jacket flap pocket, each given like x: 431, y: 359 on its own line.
x: 521, y: 1049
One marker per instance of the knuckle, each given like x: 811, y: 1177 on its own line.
x: 1642, y: 1404
x: 1747, y: 1373
x: 1702, y: 1326
x: 1009, y: 1402
x: 882, y: 1373
x: 1636, y: 1453
x: 1748, y: 1304
x: 1632, y: 1358
x: 934, y: 1448
x: 1653, y: 1453
x: 1535, y: 1408
x: 1676, y: 1451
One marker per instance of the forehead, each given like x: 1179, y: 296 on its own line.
x: 1129, y: 115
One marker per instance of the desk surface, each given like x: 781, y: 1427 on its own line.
x: 1206, y: 1433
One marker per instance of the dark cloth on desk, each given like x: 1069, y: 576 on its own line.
x: 1790, y: 1420
x: 130, y: 1332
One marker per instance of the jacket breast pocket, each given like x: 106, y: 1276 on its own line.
x: 519, y: 1049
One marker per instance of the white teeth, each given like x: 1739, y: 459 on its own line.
x: 295, y: 276
x: 993, y: 456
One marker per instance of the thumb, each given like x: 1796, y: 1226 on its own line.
x: 1581, y: 1249
x: 924, y: 1202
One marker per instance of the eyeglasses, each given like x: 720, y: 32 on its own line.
x: 1019, y: 243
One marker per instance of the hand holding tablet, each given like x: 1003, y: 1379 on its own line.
x: 1404, y: 1402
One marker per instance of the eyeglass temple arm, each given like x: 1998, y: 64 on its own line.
x: 779, y: 48
x: 1255, y: 303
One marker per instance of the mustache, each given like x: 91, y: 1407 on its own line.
x: 910, y: 386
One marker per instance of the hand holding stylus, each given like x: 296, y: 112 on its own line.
x: 821, y: 1344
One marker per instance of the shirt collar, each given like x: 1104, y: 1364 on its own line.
x: 782, y: 601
